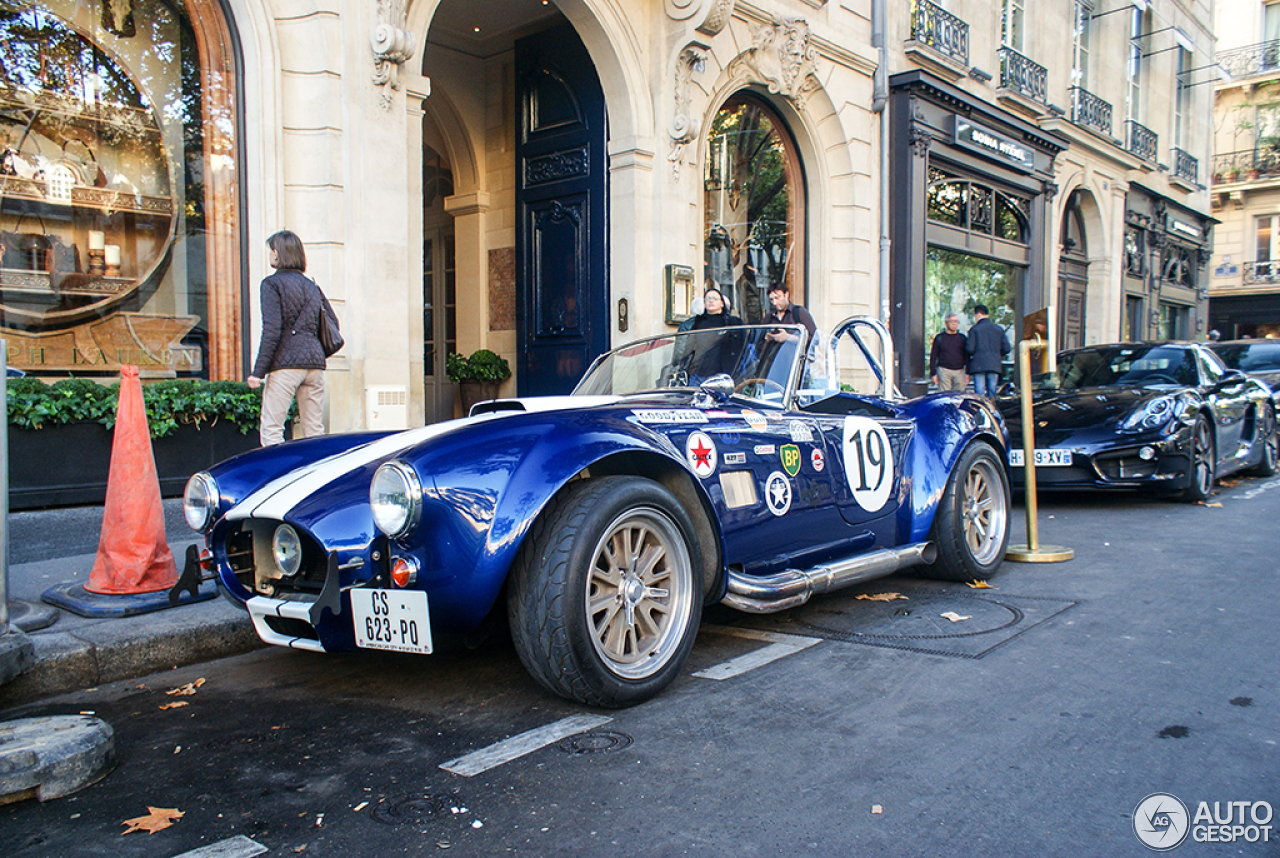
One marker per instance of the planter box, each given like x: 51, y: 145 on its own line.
x: 68, y: 465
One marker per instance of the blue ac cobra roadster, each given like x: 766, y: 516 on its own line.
x: 729, y: 465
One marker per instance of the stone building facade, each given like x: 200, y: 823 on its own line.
x: 548, y: 178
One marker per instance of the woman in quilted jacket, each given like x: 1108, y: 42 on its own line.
x: 290, y: 357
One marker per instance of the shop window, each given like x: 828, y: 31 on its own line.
x: 1179, y: 267
x: 976, y: 207
x: 1173, y: 321
x: 118, y: 192
x: 956, y: 282
x: 754, y: 207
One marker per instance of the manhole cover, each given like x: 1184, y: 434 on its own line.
x: 415, y: 809
x: 956, y: 622
x: 596, y: 742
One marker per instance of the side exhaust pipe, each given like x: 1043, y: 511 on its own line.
x: 793, y: 587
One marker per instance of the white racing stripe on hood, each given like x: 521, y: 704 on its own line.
x: 275, y: 499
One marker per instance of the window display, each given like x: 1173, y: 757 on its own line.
x: 106, y: 182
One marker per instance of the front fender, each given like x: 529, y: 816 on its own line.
x: 945, y: 425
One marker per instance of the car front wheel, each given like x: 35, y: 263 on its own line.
x: 604, y: 601
x: 1201, y: 474
x: 971, y: 526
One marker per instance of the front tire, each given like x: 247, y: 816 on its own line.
x: 971, y: 526
x: 604, y: 599
x: 1201, y: 472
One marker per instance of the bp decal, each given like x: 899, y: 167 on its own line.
x: 790, y: 459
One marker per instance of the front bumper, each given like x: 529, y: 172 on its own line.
x: 1119, y: 466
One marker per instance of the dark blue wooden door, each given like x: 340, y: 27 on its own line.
x: 562, y: 290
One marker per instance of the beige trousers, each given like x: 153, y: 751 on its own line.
x: 282, y: 385
x: 952, y: 379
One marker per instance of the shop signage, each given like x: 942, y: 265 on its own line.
x: 993, y: 144
x: 151, y: 343
x: 1181, y: 227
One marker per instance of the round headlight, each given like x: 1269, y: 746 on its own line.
x: 200, y: 502
x: 286, y: 549
x: 395, y: 499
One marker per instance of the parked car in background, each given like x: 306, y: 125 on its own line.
x: 1258, y: 359
x: 1166, y: 417
x: 724, y: 465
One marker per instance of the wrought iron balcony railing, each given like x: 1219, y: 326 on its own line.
x: 1089, y: 111
x: 1246, y: 165
x: 1262, y: 58
x: 1141, y: 140
x: 1023, y: 76
x: 936, y: 27
x: 1262, y: 272
x: 1186, y: 166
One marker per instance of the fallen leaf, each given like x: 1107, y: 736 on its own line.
x: 881, y: 597
x: 185, y: 690
x: 980, y: 585
x: 177, y: 704
x: 361, y: 806
x: 157, y: 819
x: 1231, y: 484
x: 954, y: 617
x: 875, y: 808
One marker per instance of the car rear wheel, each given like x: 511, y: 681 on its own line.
x: 1201, y: 475
x: 971, y: 527
x: 1269, y: 442
x: 604, y: 601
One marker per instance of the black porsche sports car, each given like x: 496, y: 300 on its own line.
x: 1166, y: 417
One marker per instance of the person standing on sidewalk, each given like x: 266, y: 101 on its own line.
x: 947, y: 357
x: 986, y: 344
x: 290, y: 357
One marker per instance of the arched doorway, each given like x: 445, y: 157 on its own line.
x: 439, y: 278
x: 1073, y: 275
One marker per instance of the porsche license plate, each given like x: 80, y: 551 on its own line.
x: 1043, y: 458
x: 391, y: 619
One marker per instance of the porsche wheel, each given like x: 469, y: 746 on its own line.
x: 604, y: 600
x: 1201, y: 474
x: 1270, y: 442
x: 971, y: 526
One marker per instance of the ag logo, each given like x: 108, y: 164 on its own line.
x: 777, y: 493
x: 868, y: 462
x: 1160, y: 821
x: 790, y: 459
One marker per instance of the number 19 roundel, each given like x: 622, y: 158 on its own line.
x: 868, y: 462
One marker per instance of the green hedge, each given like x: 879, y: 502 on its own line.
x: 33, y: 404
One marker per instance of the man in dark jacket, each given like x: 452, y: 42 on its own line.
x: 947, y: 357
x: 986, y: 344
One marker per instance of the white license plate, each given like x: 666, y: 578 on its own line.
x: 391, y: 619
x: 1044, y: 458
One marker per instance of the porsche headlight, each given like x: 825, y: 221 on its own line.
x: 395, y: 498
x: 1151, y: 415
x: 286, y: 550
x: 200, y: 502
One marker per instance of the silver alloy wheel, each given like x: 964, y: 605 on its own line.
x: 639, y: 593
x: 1271, y: 446
x: 1202, y: 458
x: 986, y: 516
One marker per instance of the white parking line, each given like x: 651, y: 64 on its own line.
x: 232, y: 847
x: 517, y: 746
x: 780, y: 646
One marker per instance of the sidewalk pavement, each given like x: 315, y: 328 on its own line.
x: 58, y: 546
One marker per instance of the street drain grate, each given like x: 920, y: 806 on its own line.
x: 916, y: 623
x: 595, y: 742
x: 415, y: 809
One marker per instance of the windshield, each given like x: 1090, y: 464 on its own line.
x: 761, y: 359
x: 1121, y: 365
x: 1250, y: 357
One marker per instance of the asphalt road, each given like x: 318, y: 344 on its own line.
x: 1033, y: 725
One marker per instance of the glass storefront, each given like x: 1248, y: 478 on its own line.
x: 118, y: 205
x: 754, y: 207
x: 956, y: 282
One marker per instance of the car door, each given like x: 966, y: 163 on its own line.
x: 1229, y: 395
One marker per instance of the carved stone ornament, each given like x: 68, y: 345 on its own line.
x: 711, y: 15
x: 392, y: 46
x: 684, y: 125
x: 919, y: 139
x: 782, y: 58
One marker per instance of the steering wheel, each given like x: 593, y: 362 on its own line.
x: 763, y: 382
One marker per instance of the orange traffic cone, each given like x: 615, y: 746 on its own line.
x: 133, y: 554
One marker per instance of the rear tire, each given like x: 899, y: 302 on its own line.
x: 604, y: 599
x: 1270, y: 461
x: 971, y: 526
